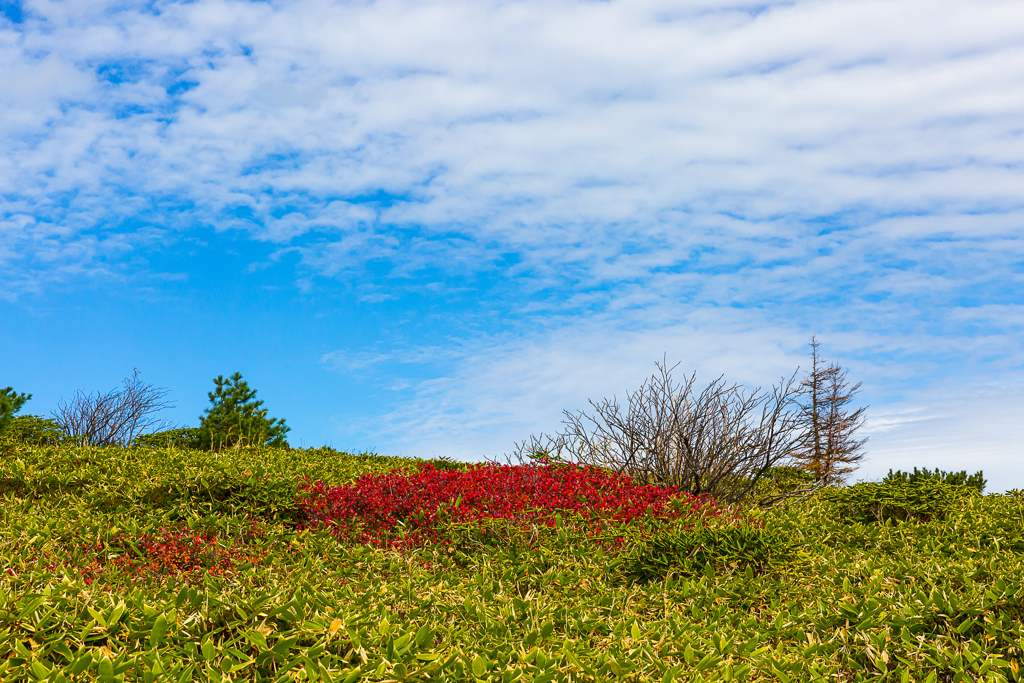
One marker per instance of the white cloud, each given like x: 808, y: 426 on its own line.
x: 734, y: 176
x: 974, y: 427
x: 503, y: 391
x: 496, y: 391
x: 533, y: 124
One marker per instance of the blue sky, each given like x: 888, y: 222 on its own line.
x: 429, y: 227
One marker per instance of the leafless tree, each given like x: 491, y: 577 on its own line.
x: 829, y: 449
x: 116, y: 417
x: 720, y: 440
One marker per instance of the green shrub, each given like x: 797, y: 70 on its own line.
x: 921, y: 500
x: 445, y: 463
x: 961, y: 478
x: 32, y: 430
x: 185, y: 437
x: 708, y: 549
x: 181, y: 482
x: 782, y: 480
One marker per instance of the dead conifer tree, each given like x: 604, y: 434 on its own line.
x: 829, y: 449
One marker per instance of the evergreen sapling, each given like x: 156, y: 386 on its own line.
x: 236, y: 418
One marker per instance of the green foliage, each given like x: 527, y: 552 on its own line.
x: 781, y: 480
x: 696, y: 550
x: 11, y: 403
x: 898, y: 500
x: 446, y: 463
x: 182, y: 437
x: 180, y: 482
x: 31, y: 430
x: 935, y: 600
x: 961, y: 478
x: 236, y: 418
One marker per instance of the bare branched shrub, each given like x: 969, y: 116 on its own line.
x: 116, y: 417
x: 719, y: 440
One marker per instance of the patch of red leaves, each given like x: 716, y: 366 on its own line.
x: 184, y: 555
x: 404, y: 508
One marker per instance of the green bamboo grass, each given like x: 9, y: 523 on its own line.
x: 855, y: 599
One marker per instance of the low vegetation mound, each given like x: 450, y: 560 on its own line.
x: 900, y: 500
x: 410, y: 507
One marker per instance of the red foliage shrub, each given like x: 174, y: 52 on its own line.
x: 184, y: 554
x: 409, y: 507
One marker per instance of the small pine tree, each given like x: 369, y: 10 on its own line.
x: 829, y: 449
x: 236, y: 419
x: 10, y: 403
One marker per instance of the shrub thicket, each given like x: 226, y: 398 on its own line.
x: 975, y: 481
x: 32, y: 430
x: 405, y: 508
x: 183, y: 437
x: 921, y: 500
x: 709, y: 548
x: 178, y: 564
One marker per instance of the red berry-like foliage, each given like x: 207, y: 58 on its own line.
x: 404, y: 507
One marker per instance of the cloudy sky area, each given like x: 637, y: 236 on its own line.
x: 428, y: 227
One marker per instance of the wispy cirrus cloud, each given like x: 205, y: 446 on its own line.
x: 549, y: 128
x: 484, y: 398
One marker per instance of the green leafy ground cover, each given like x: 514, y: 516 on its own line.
x: 174, y: 565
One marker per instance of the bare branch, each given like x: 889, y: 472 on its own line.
x: 116, y: 417
x: 719, y: 441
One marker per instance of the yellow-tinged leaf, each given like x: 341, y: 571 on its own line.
x: 97, y: 616
x: 106, y: 670
x: 156, y: 636
x: 335, y: 625
x: 479, y: 666
x: 257, y: 639
x: 39, y: 669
